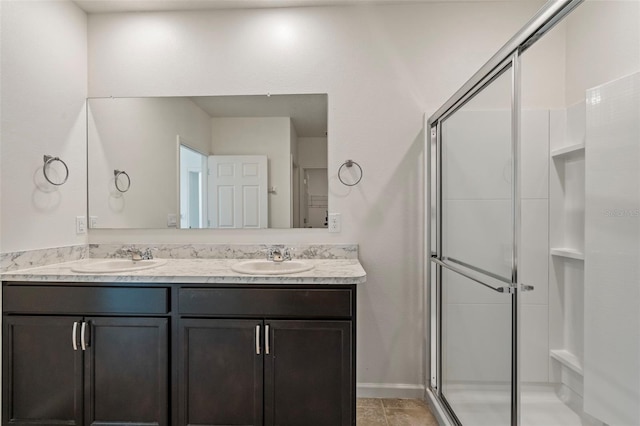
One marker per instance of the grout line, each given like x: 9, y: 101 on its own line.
x: 384, y: 412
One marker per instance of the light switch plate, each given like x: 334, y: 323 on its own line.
x: 335, y: 222
x: 81, y: 224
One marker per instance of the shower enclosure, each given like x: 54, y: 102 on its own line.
x: 527, y: 185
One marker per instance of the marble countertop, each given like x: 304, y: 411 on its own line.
x: 197, y: 271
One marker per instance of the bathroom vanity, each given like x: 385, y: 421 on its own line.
x: 178, y: 346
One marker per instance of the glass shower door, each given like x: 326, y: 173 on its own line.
x: 475, y: 255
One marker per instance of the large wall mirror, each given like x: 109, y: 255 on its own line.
x: 208, y: 162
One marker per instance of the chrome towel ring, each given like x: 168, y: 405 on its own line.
x: 349, y: 164
x: 116, y: 174
x: 47, y: 161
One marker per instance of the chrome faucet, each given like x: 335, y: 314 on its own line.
x: 278, y: 254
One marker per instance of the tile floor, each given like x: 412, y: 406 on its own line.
x: 393, y: 412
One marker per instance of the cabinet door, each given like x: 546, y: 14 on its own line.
x: 42, y: 374
x: 127, y: 371
x: 221, y: 369
x: 308, y: 368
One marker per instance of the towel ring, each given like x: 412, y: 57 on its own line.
x: 116, y: 174
x: 349, y: 163
x: 47, y: 161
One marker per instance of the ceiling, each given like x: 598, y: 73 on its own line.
x: 308, y: 112
x: 108, y: 6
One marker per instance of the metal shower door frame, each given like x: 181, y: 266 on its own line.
x: 436, y: 259
x: 507, y: 58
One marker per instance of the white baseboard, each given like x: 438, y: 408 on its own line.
x: 389, y: 390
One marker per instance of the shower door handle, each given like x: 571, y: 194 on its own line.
x: 512, y: 289
x: 504, y: 289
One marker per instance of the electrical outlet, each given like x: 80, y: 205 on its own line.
x: 93, y: 222
x: 81, y: 224
x: 335, y: 222
x: 172, y: 220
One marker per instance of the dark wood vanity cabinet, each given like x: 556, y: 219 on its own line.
x: 127, y: 372
x: 102, y: 366
x: 221, y: 373
x: 120, y: 378
x: 42, y: 374
x: 267, y: 356
x: 183, y: 355
x: 271, y: 372
x: 308, y: 373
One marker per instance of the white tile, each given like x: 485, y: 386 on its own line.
x: 534, y: 343
x: 533, y: 266
x: 612, y: 273
x: 477, y: 155
x: 479, y: 232
x: 459, y: 290
x: 556, y: 308
x: 535, y: 154
x: 576, y: 123
x: 477, y: 343
x: 574, y: 201
x: 573, y: 306
x: 557, y: 128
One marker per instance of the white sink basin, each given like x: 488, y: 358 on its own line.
x: 117, y: 265
x: 268, y: 267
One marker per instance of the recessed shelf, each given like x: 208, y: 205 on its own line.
x: 567, y: 150
x: 567, y: 252
x: 567, y: 358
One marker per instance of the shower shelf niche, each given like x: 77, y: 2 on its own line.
x: 568, y: 253
x: 566, y: 247
x: 567, y: 150
x: 567, y: 182
x: 568, y: 359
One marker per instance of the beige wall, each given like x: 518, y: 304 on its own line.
x: 312, y: 152
x: 603, y: 44
x: 139, y: 136
x: 44, y: 86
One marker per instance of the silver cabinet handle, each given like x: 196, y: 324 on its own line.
x: 74, y: 339
x: 83, y: 342
x: 266, y: 339
x: 257, y: 340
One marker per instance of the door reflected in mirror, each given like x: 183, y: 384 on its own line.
x: 193, y: 189
x: 209, y: 162
x: 314, y: 208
